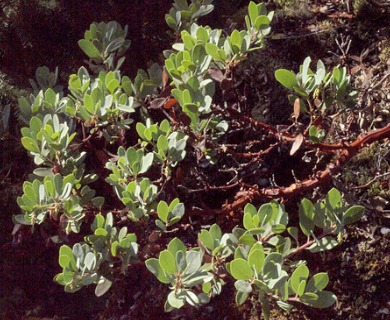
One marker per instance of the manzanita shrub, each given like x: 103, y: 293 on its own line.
x: 258, y: 256
x: 106, y: 118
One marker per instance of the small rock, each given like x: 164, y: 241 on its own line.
x: 385, y: 231
x: 384, y: 311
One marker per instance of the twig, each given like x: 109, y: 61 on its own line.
x: 371, y: 181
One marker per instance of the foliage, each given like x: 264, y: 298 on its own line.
x: 144, y: 135
x: 320, y: 90
x: 261, y: 256
x: 95, y: 260
x: 102, y: 43
x: 182, y: 269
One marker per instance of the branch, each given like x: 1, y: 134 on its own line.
x: 322, y: 177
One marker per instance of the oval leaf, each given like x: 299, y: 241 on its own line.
x: 243, y: 286
x: 89, y: 49
x: 240, y: 269
x: 297, y: 144
x: 286, y: 78
x: 103, y: 286
x: 318, y: 282
x: 353, y: 214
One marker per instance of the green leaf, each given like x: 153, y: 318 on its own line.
x: 43, y: 172
x: 236, y: 39
x: 206, y: 287
x: 262, y: 22
x: 127, y: 85
x: 58, y: 183
x: 66, y: 251
x: 89, y: 49
x: 325, y: 243
x: 162, y: 211
x: 243, y: 286
x: 103, y: 286
x: 247, y: 239
x: 98, y: 222
x: 181, y: 262
x: 278, y: 228
x: 176, y: 245
x: 247, y: 221
x: 306, y: 216
x: 114, y: 248
x: 174, y: 220
x: 253, y: 12
x: 309, y: 297
x: 215, y: 231
x: 165, y: 127
x: 207, y: 239
x: 174, y: 301
x: 301, y: 288
x: 154, y: 267
x: 167, y: 262
x: 113, y: 85
x: 301, y: 273
x: 109, y: 221
x: 241, y: 297
x: 333, y: 199
x: 212, y: 50
x: 59, y: 278
x: 240, y: 269
x: 203, y: 10
x: 100, y: 232
x: 160, y: 225
x: 318, y: 282
x: 265, y: 214
x: 284, y: 305
x: 305, y: 69
x: 64, y: 261
x: 293, y: 231
x: 98, y: 202
x: 194, y: 261
x: 313, y: 131
x: 35, y: 124
x: 353, y: 214
x: 325, y: 299
x: 272, y: 259
x: 178, y: 210
x: 162, y: 144
x: 256, y: 259
x: 89, y: 103
x: 197, y: 278
x: 260, y: 285
x: 191, y: 298
x: 50, y: 97
x: 30, y: 144
x: 250, y: 208
x: 286, y: 78
x: 90, y: 261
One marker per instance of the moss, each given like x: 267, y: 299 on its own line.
x: 282, y: 4
x: 357, y: 6
x: 384, y: 55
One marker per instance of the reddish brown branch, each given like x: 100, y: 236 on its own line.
x: 249, y: 155
x: 285, y: 136
x: 208, y: 188
x: 322, y: 177
x: 324, y: 147
x: 252, y: 121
